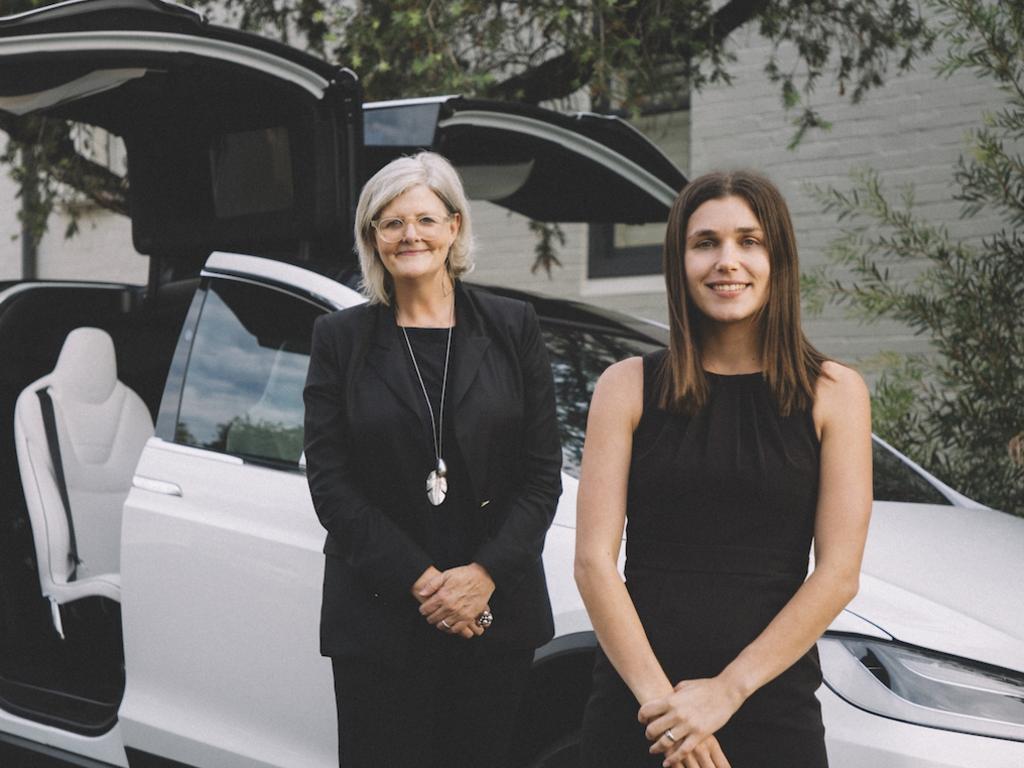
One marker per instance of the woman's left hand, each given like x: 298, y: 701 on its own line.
x: 457, y: 596
x: 693, y: 711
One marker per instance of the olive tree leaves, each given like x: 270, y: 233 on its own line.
x: 958, y: 410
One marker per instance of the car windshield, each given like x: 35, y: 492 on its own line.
x: 895, y: 480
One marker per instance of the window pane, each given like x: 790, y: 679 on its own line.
x: 618, y: 249
x: 243, y: 387
x: 578, y: 357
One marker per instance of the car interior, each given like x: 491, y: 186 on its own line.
x: 74, y: 681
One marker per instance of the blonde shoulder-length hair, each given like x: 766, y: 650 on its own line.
x: 427, y: 169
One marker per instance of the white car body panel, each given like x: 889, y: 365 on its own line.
x: 220, y: 609
x: 915, y: 586
x: 858, y: 739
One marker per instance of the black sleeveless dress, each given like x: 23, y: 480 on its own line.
x: 720, y: 516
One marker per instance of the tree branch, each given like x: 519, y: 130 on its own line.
x: 66, y: 166
x: 563, y: 75
x: 554, y: 78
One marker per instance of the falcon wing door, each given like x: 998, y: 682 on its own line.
x: 543, y: 164
x: 233, y: 141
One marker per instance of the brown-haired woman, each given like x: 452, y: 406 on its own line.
x: 728, y: 454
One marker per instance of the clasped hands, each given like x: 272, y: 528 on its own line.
x: 451, y: 600
x: 682, y: 724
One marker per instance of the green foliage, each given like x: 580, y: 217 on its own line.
x: 624, y: 52
x: 51, y: 167
x: 860, y: 41
x: 959, y: 411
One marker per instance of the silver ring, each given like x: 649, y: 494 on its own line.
x: 446, y: 624
x: 485, y: 619
x: 671, y: 736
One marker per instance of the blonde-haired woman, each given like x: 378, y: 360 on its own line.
x: 727, y: 453
x: 434, y: 463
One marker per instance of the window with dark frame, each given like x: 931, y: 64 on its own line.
x: 630, y: 250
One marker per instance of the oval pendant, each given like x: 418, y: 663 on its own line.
x: 437, y: 488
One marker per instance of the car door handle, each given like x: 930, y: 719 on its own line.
x: 156, y: 486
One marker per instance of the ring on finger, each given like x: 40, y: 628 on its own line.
x: 671, y: 736
x: 446, y: 625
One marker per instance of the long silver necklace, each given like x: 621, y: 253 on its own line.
x: 437, y: 480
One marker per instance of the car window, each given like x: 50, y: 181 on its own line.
x: 243, y: 386
x: 578, y: 356
x: 895, y: 480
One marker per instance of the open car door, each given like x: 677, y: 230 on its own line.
x: 545, y: 165
x: 233, y: 141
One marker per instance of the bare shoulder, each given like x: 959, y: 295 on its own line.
x: 622, y: 380
x: 620, y: 389
x: 840, y: 394
x: 839, y: 381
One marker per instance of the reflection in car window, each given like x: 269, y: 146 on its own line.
x: 895, y: 480
x: 578, y: 356
x: 243, y: 387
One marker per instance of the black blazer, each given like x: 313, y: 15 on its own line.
x: 366, y: 428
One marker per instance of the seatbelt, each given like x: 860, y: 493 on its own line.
x: 50, y: 425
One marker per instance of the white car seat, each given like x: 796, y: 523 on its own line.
x: 102, y: 427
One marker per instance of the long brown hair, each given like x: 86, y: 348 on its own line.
x: 790, y: 362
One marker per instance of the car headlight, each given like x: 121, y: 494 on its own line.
x: 925, y: 688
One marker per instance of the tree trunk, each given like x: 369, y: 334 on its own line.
x: 29, y: 205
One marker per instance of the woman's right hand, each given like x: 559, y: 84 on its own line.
x: 426, y: 586
x: 693, y: 711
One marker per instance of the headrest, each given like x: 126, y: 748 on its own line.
x: 86, y: 369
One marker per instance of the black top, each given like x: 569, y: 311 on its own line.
x: 455, y: 534
x: 720, y: 512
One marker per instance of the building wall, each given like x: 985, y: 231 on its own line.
x: 102, y: 249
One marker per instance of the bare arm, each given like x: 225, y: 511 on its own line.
x: 698, y: 707
x: 600, y: 518
x: 615, y: 411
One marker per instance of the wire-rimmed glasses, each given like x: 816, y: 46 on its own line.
x: 428, y: 226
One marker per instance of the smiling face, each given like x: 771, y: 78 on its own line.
x: 415, y: 258
x: 726, y: 261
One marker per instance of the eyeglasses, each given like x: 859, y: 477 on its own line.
x: 427, y: 226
